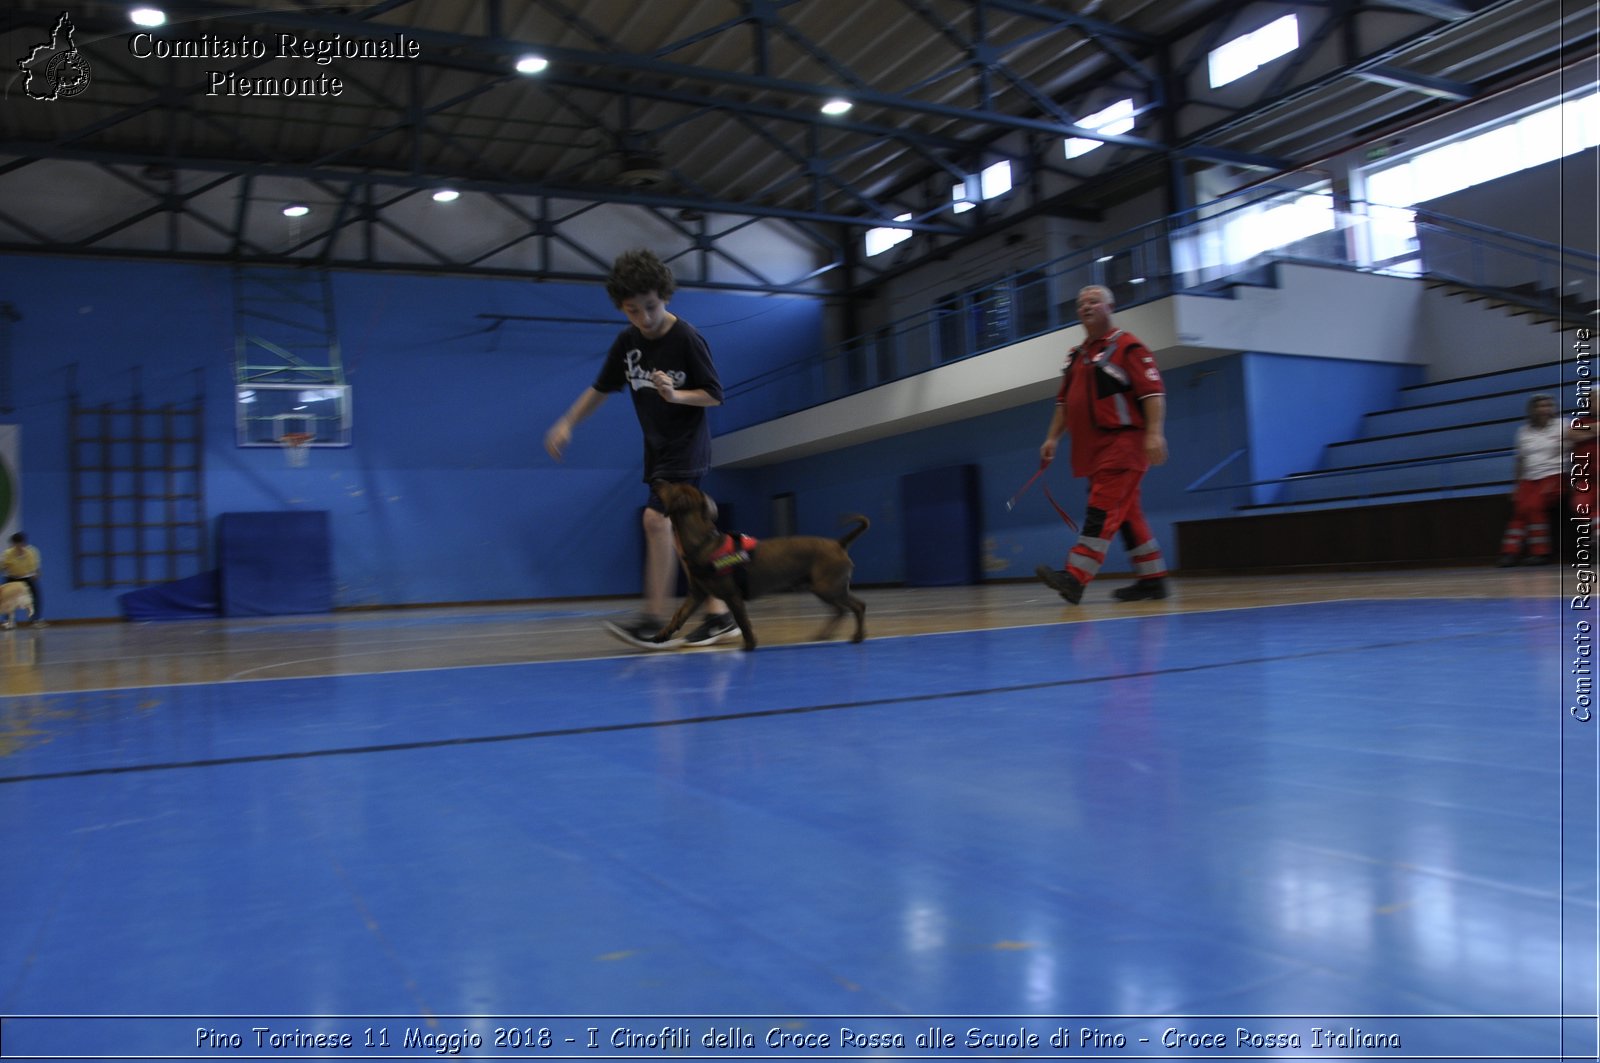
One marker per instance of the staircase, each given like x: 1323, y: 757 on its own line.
x: 1541, y: 305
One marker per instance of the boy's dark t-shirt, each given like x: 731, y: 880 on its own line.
x: 677, y: 438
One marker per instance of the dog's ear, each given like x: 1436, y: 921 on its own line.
x: 668, y: 493
x: 711, y: 508
x: 678, y: 498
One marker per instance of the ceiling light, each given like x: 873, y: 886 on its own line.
x: 532, y: 64
x: 296, y: 210
x: 446, y: 195
x: 147, y: 16
x: 836, y: 106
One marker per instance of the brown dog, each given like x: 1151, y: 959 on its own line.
x: 789, y: 562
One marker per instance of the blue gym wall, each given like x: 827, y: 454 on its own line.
x: 1206, y: 422
x: 447, y: 494
x: 1296, y: 406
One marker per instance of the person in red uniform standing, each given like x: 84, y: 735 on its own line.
x: 1541, y: 452
x: 1112, y: 405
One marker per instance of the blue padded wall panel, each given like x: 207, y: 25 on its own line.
x: 943, y: 536
x: 193, y: 597
x: 275, y: 563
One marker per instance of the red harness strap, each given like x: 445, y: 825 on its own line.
x: 733, y: 550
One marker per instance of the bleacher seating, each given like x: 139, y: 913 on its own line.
x: 1443, y: 450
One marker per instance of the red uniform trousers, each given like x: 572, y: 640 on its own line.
x: 1114, y: 505
x: 1531, y: 504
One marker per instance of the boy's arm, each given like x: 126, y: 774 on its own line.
x: 691, y: 397
x: 560, y: 433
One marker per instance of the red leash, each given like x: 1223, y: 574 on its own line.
x: 1043, y: 465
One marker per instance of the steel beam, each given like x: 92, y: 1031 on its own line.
x: 1439, y: 88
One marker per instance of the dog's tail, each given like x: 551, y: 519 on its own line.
x: 862, y: 524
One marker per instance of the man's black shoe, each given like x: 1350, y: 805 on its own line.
x: 1061, y: 582
x: 1144, y: 590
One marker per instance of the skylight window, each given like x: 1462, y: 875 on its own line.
x: 995, y: 180
x: 1247, y: 54
x: 1118, y: 118
x: 884, y: 237
x: 989, y: 183
x: 964, y: 195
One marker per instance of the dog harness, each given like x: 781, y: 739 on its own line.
x: 735, y: 549
x: 730, y: 557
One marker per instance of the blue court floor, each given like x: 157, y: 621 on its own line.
x: 1372, y: 816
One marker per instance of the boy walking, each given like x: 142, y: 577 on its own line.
x: 666, y: 365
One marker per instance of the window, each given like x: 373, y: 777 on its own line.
x: 995, y: 180
x: 1118, y: 118
x: 1278, y: 225
x: 964, y: 196
x: 992, y: 182
x: 1247, y: 54
x: 884, y: 237
x: 1217, y: 246
x: 1545, y: 135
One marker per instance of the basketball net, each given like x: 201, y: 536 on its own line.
x: 296, y: 447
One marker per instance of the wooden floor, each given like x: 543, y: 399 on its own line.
x: 108, y: 656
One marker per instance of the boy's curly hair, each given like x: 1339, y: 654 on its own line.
x: 636, y: 273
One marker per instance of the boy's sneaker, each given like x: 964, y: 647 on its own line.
x: 640, y: 632
x: 714, y: 629
x: 1144, y: 590
x: 1061, y: 582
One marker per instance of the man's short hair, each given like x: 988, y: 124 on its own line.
x: 1110, y: 300
x: 636, y: 273
x: 19, y: 538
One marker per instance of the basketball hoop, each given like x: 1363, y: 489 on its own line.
x: 296, y: 447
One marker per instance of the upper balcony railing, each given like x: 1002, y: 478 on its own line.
x: 1203, y: 251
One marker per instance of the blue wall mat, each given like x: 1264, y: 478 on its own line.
x: 274, y: 564
x: 943, y: 527
x: 191, y: 598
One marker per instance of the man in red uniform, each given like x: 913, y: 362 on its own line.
x: 1541, y: 453
x: 1112, y: 404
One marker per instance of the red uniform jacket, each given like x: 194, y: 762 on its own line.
x: 1102, y: 386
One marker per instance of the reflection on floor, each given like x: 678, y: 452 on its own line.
x: 1276, y: 806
